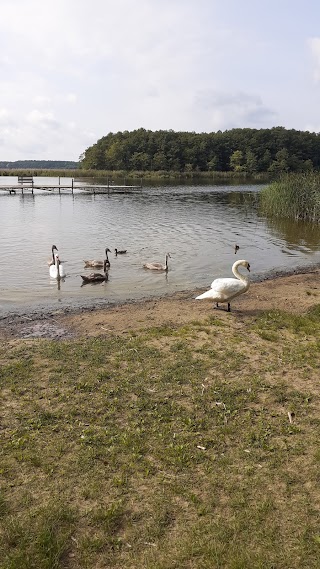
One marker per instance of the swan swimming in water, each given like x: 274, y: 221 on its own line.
x: 57, y: 271
x: 225, y: 290
x: 117, y: 252
x: 158, y: 266
x: 97, y: 264
x: 51, y: 261
x: 96, y: 277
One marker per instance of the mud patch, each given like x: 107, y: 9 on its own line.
x: 25, y: 328
x: 49, y: 330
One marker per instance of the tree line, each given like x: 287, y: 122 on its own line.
x: 274, y: 150
x: 43, y: 164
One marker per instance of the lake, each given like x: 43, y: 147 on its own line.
x: 198, y: 225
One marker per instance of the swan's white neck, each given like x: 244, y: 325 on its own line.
x: 236, y: 273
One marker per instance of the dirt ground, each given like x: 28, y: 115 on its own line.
x: 294, y: 293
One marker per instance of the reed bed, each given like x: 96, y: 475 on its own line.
x: 143, y: 176
x: 294, y: 196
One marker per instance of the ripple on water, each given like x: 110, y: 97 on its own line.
x: 197, y: 225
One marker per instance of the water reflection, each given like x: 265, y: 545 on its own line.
x: 296, y: 234
x: 26, y: 199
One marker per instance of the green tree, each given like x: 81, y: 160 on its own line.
x: 236, y: 161
x: 140, y: 161
x: 114, y: 156
x: 265, y: 162
x: 307, y: 166
x: 265, y: 150
x: 280, y: 164
x: 251, y: 164
x: 212, y: 165
x: 159, y: 161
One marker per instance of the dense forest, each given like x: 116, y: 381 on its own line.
x: 42, y: 164
x: 274, y: 150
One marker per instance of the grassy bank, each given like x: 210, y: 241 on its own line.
x: 162, y: 176
x: 192, y: 446
x: 294, y: 196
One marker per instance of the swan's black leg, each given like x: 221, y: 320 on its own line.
x: 229, y: 307
x: 217, y: 305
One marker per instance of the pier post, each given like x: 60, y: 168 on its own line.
x: 32, y: 186
x: 72, y: 185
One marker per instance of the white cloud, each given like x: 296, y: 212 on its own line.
x: 5, y: 117
x: 314, y: 45
x: 42, y: 100
x: 71, y: 98
x: 228, y: 110
x: 42, y: 119
x: 312, y: 127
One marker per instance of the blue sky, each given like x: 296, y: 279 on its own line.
x: 74, y: 70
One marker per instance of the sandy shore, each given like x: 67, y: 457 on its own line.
x: 294, y: 293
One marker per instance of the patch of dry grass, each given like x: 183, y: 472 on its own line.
x: 176, y: 447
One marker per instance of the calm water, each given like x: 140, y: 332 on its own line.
x: 198, y: 225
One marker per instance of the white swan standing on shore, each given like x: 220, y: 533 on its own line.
x: 57, y: 271
x: 158, y: 266
x: 225, y: 290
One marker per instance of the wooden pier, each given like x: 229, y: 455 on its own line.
x: 28, y: 184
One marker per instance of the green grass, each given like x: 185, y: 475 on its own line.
x: 294, y: 196
x: 147, y: 177
x: 170, y: 448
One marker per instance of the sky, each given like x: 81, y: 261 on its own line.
x: 74, y: 70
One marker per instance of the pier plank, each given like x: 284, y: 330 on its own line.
x: 24, y: 185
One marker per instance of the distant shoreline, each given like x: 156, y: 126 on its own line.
x: 147, y: 177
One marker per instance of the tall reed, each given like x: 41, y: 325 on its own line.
x: 294, y: 196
